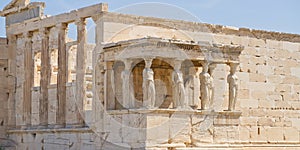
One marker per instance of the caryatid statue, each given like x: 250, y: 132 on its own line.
x: 205, y: 87
x: 192, y: 87
x: 128, y: 101
x: 212, y: 89
x: 177, y: 78
x: 148, y: 85
x: 232, y: 80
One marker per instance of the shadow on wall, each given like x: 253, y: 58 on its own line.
x: 7, y: 143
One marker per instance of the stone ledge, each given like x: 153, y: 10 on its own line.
x: 241, y: 146
x: 78, y: 130
x: 202, y: 27
x: 174, y: 111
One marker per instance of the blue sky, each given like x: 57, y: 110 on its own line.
x: 270, y: 15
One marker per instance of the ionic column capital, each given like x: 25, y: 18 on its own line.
x: 62, y: 26
x: 177, y: 64
x: 109, y: 65
x: 233, y: 67
x: 128, y: 63
x: 44, y: 32
x: 148, y: 61
x: 81, y: 22
x: 27, y: 34
x: 12, y: 38
x: 205, y: 66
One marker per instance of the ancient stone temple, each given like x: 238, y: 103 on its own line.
x: 146, y: 83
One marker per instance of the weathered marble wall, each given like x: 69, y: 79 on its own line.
x: 4, y: 89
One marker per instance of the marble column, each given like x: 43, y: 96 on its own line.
x: 28, y: 69
x: 81, y: 59
x: 179, y: 90
x: 128, y: 101
x: 205, y: 87
x: 192, y: 86
x: 45, y: 77
x: 62, y: 76
x: 109, y: 84
x: 232, y: 81
x: 212, y: 91
x: 148, y: 85
x: 12, y: 46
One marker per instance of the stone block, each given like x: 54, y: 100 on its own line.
x: 296, y: 88
x: 275, y: 79
x: 272, y: 44
x: 113, y: 128
x: 248, y: 121
x: 258, y: 95
x: 244, y: 135
x: 274, y: 96
x: 291, y: 134
x: 87, y: 146
x: 261, y: 51
x: 261, y: 86
x: 284, y: 104
x: 258, y: 134
x: 266, y: 104
x: 291, y: 80
x: 226, y: 120
x: 24, y: 15
x: 274, y: 134
x: 283, y: 88
x: 220, y: 134
x: 265, y: 122
x: 243, y: 76
x: 251, y: 51
x: 223, y: 39
x: 293, y: 96
x: 258, y: 112
x: 248, y: 103
x: 274, y: 113
x: 157, y: 130
x: 283, y: 122
x: 295, y: 71
x: 240, y: 40
x: 257, y: 77
x: 244, y: 59
x: 265, y: 70
x: 199, y: 137
x: 257, y: 60
x: 288, y: 63
x: 243, y: 94
x: 295, y: 123
x: 292, y: 47
x: 232, y: 134
x: 35, y: 146
x: 253, y: 42
x: 28, y: 138
x: 272, y: 61
x: 282, y: 71
x: 180, y: 128
x: 295, y: 105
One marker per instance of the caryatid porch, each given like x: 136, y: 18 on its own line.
x: 161, y: 73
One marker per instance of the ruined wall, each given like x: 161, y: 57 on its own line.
x: 3, y: 87
x: 269, y: 90
x: 269, y: 78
